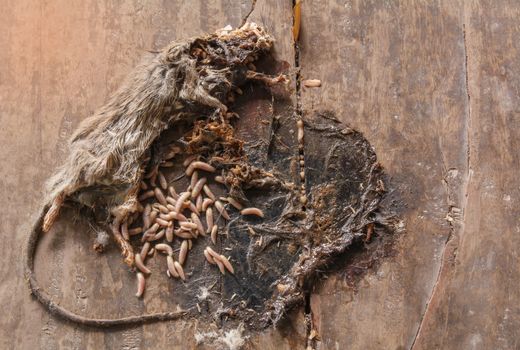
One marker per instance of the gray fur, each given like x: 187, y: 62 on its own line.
x: 107, y: 150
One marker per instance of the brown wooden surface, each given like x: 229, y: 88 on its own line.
x: 434, y: 88
x: 432, y: 85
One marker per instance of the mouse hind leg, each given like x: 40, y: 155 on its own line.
x: 127, y: 251
x: 121, y: 214
x: 53, y: 212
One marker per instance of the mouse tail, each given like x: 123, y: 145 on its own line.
x: 53, y: 307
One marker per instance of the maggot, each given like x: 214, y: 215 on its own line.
x: 163, y: 222
x: 140, y: 264
x: 198, y: 202
x: 199, y: 165
x: 198, y: 187
x: 311, y: 83
x: 167, y: 217
x: 172, y: 192
x: 299, y: 124
x: 180, y: 201
x: 171, y: 266
x: 153, y: 179
x: 183, y: 252
x: 234, y: 203
x: 183, y: 234
x: 180, y: 217
x: 206, y: 203
x: 157, y: 236
x: 188, y: 160
x: 212, y: 252
x: 209, y: 219
x: 252, y: 211
x: 195, y: 218
x: 164, y: 248
x: 135, y: 231
x: 146, y: 195
x: 180, y: 270
x: 194, y: 178
x: 153, y: 215
x: 162, y: 181
x: 169, y: 233
x: 152, y: 229
x: 222, y: 210
x: 209, y: 193
x: 162, y: 208
x: 160, y: 196
x: 189, y: 225
x: 141, y: 283
x: 193, y: 207
x: 227, y: 264
x: 150, y: 232
x: 145, y: 249
x: 214, y: 231
x: 209, y: 257
x: 220, y: 265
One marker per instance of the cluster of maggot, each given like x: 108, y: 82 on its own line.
x: 300, y: 133
x: 168, y: 216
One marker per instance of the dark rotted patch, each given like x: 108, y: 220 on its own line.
x: 279, y: 258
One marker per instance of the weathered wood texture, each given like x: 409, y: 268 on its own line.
x: 432, y: 85
x: 476, y: 305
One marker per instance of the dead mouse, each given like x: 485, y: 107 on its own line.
x: 109, y: 150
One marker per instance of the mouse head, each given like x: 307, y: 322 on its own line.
x: 210, y: 66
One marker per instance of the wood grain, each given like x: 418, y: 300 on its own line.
x: 476, y: 303
x: 432, y: 85
x: 396, y: 72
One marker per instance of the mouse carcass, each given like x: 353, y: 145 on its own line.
x: 109, y: 151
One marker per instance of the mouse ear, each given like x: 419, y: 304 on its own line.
x: 175, y: 51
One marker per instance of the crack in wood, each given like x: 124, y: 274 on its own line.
x: 450, y: 213
x: 467, y: 125
x: 307, y: 308
x: 246, y: 17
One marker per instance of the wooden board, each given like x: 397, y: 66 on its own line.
x: 476, y: 304
x: 433, y: 87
